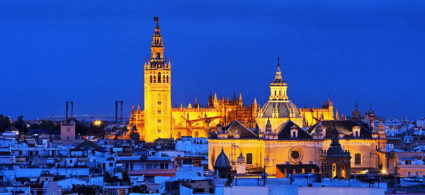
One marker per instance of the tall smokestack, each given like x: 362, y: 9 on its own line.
x: 66, y: 112
x: 121, y: 117
x: 72, y: 109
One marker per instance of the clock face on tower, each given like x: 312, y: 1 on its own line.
x: 295, y: 154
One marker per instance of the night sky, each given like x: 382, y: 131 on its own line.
x: 92, y: 52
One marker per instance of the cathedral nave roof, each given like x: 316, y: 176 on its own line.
x: 284, y: 131
x: 237, y: 128
x: 343, y: 126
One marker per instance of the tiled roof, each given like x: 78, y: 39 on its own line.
x: 88, y: 144
x: 284, y: 131
x: 343, y: 126
x: 222, y: 161
x: 237, y: 128
x: 283, y: 108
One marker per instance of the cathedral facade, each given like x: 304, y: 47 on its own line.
x: 289, y: 144
x: 159, y: 119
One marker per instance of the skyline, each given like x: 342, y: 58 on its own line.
x: 105, y: 51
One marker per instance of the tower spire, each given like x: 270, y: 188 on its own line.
x: 157, y: 47
x: 278, y: 63
x: 278, y: 86
x: 156, y: 19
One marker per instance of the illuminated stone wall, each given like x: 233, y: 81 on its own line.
x: 279, y: 152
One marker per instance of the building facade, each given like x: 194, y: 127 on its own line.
x: 291, y: 145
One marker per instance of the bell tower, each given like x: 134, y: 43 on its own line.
x: 157, y: 91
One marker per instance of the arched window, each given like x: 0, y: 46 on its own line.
x: 343, y: 171
x: 158, y: 55
x: 167, y: 78
x: 163, y: 79
x: 154, y: 79
x: 151, y: 78
x: 159, y: 77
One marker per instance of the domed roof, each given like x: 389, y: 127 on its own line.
x: 335, y: 149
x: 240, y: 159
x: 284, y: 108
x: 222, y: 161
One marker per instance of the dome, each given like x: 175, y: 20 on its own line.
x: 222, y: 161
x: 284, y: 108
x: 335, y: 149
x: 241, y: 159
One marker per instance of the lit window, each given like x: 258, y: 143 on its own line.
x: 159, y: 120
x: 159, y: 103
x: 249, y: 158
x: 159, y: 111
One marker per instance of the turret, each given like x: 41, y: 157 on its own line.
x: 240, y: 99
x: 278, y: 86
x: 210, y: 101
x: 254, y: 108
x: 240, y: 164
x: 336, y: 115
x: 357, y: 115
x: 215, y: 102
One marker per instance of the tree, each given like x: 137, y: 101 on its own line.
x: 4, y: 122
x: 21, y: 124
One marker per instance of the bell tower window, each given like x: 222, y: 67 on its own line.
x: 159, y: 77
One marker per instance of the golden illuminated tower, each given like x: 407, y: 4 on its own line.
x: 157, y: 116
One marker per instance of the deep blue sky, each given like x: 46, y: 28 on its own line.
x: 92, y: 52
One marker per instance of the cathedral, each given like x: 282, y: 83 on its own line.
x: 278, y: 138
x: 160, y: 120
